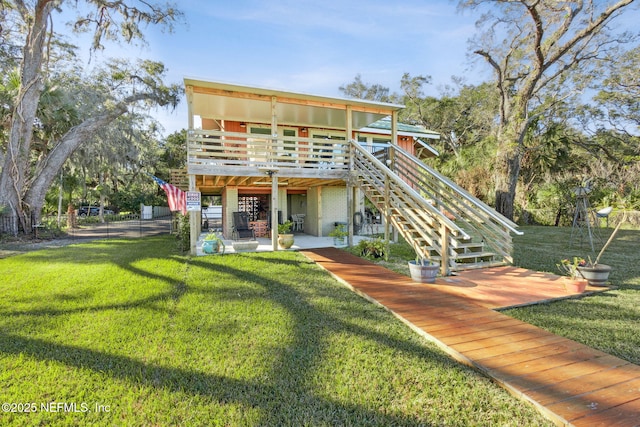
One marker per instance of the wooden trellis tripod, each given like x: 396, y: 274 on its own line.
x: 581, y: 220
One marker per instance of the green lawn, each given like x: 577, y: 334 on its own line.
x: 131, y: 332
x: 609, y: 321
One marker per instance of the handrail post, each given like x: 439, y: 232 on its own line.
x: 444, y: 260
x: 387, y: 214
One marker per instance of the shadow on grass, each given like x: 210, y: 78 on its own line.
x: 286, y: 399
x: 222, y: 389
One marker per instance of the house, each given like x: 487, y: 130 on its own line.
x: 278, y: 155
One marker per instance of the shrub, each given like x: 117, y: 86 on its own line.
x: 373, y: 248
x: 183, y: 232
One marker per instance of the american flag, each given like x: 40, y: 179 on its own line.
x: 176, y: 197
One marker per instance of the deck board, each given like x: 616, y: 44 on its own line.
x: 568, y: 382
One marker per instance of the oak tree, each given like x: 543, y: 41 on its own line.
x: 535, y: 48
x: 25, y: 176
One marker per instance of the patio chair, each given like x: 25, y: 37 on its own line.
x: 241, y: 229
x: 298, y: 222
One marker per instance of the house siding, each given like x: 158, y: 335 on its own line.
x: 334, y: 208
x: 230, y: 205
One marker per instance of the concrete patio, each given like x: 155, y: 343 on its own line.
x: 302, y: 241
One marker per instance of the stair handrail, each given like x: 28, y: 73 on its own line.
x: 497, y: 216
x: 405, y: 187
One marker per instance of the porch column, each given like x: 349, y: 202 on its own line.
x: 392, y: 166
x: 350, y: 184
x: 194, y: 219
x: 189, y: 94
x: 274, y: 174
x: 273, y: 151
x: 274, y: 209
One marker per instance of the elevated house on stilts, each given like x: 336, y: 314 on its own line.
x: 279, y: 155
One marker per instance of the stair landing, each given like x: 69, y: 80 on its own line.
x: 568, y: 382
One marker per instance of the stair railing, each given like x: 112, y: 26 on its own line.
x: 422, y: 224
x: 477, y: 218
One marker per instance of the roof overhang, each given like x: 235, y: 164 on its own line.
x: 418, y: 135
x: 424, y: 150
x: 217, y: 100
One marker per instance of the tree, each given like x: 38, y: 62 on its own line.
x: 175, y: 150
x: 463, y: 114
x: 535, y: 48
x: 619, y: 97
x: 23, y: 182
x: 360, y: 90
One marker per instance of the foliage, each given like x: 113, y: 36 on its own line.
x: 183, y: 232
x: 340, y: 231
x: 371, y: 248
x: 619, y: 97
x: 213, y: 237
x: 463, y: 114
x: 61, y: 105
x: 360, y: 90
x: 246, y: 339
x: 174, y: 150
x: 540, y: 54
x: 570, y: 268
x: 285, y: 227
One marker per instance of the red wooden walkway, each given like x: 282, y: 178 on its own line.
x: 570, y: 383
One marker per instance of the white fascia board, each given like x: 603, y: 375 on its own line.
x: 401, y: 133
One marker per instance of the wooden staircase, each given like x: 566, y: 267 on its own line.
x: 440, y: 220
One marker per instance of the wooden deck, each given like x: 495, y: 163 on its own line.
x: 568, y: 382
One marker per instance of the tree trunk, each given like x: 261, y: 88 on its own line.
x: 15, y: 168
x: 43, y: 178
x: 506, y: 180
x: 507, y: 168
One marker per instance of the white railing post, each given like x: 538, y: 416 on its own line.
x: 444, y: 245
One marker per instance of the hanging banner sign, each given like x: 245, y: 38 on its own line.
x: 193, y: 201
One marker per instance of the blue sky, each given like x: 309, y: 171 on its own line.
x: 312, y: 46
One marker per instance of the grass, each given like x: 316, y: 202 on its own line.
x: 608, y: 321
x: 138, y: 334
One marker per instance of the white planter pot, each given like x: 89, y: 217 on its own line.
x: 596, y: 275
x: 423, y: 273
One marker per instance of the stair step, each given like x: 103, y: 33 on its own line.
x: 462, y: 245
x: 417, y: 225
x: 469, y: 250
x: 478, y: 265
x: 474, y: 256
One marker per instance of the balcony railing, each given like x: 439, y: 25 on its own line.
x: 213, y: 152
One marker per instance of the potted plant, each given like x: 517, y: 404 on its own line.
x: 573, y: 281
x: 372, y: 248
x: 213, y: 244
x: 423, y: 270
x: 285, y: 239
x: 339, y: 234
x: 597, y: 274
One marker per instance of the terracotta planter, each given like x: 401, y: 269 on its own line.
x: 596, y: 275
x: 285, y: 241
x: 423, y: 273
x: 574, y: 286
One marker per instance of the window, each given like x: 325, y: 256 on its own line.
x: 257, y: 147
